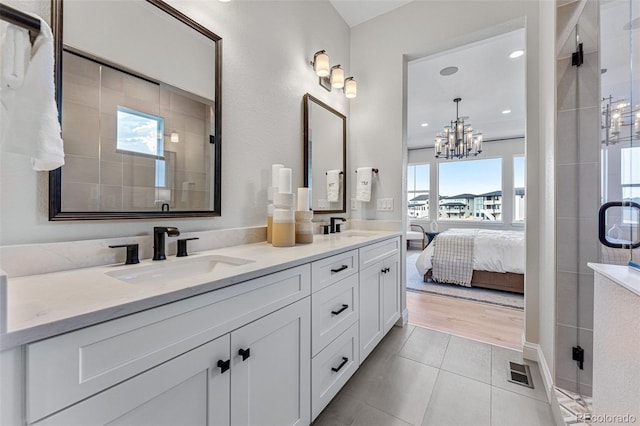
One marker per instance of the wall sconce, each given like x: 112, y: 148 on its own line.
x: 321, y: 63
x: 350, y: 87
x: 332, y: 77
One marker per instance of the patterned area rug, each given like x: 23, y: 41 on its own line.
x: 495, y: 297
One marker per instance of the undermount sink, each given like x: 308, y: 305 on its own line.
x: 169, y: 270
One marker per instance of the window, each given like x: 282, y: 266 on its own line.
x: 470, y: 190
x: 418, y: 191
x: 139, y: 133
x: 519, y: 200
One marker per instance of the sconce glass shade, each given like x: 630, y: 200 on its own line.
x: 337, y: 77
x: 350, y: 88
x: 175, y: 137
x: 321, y: 63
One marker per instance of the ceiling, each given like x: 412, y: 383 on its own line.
x: 355, y: 12
x: 488, y: 81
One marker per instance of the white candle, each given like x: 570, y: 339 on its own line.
x: 274, y: 173
x: 284, y: 180
x: 303, y: 199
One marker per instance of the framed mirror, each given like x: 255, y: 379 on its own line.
x: 138, y: 90
x: 325, y: 156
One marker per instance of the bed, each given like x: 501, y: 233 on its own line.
x: 476, y: 258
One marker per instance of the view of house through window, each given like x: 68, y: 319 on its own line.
x: 519, y: 201
x: 470, y: 190
x: 418, y: 191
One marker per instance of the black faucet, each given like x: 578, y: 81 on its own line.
x: 158, y: 240
x: 335, y: 227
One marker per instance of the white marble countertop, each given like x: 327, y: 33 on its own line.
x: 41, y: 306
x: 623, y: 275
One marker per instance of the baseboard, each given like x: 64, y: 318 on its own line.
x: 404, y: 318
x: 533, y: 352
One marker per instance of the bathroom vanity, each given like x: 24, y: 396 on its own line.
x: 256, y: 335
x: 616, y: 343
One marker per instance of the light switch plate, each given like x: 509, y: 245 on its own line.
x: 354, y: 204
x: 384, y: 204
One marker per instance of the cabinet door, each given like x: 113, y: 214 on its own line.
x: 371, y: 330
x: 270, y: 384
x: 188, y: 390
x: 390, y: 292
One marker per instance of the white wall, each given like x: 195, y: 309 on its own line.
x: 379, y: 51
x: 267, y: 46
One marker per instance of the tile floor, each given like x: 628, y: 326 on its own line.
x: 418, y: 376
x: 576, y: 410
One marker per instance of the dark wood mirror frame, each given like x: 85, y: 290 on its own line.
x: 309, y: 98
x: 55, y: 176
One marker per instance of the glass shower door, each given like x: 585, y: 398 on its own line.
x: 620, y: 131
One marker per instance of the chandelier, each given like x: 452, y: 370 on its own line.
x: 458, y: 139
x: 616, y: 115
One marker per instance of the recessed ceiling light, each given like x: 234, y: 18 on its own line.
x: 448, y: 70
x: 506, y: 111
x: 516, y: 54
x: 424, y: 124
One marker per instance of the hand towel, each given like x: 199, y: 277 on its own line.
x: 333, y: 186
x: 16, y: 52
x: 30, y: 114
x: 363, y: 185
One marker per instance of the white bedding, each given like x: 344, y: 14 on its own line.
x: 494, y: 251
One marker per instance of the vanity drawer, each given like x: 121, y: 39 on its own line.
x: 67, y: 368
x: 332, y: 269
x: 333, y: 310
x: 342, y: 355
x: 374, y: 252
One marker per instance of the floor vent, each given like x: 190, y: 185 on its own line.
x: 520, y: 374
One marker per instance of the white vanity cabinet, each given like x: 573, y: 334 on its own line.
x: 272, y: 350
x: 66, y: 369
x: 189, y: 389
x: 211, y: 386
x: 379, y: 292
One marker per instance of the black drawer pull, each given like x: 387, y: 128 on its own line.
x: 245, y: 353
x: 224, y: 365
x: 342, y: 268
x: 339, y: 311
x: 342, y: 364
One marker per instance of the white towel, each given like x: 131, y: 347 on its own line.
x: 30, y: 114
x: 16, y: 52
x: 333, y: 186
x: 363, y: 185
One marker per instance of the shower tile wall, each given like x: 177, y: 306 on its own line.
x: 577, y: 189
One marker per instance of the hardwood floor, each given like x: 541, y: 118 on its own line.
x: 487, y: 323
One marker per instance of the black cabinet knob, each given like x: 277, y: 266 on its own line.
x: 339, y: 311
x: 342, y: 364
x: 245, y: 353
x: 342, y: 268
x: 224, y: 365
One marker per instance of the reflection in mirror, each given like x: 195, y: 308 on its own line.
x: 140, y: 113
x: 620, y: 127
x: 325, y: 151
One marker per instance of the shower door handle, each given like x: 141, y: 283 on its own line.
x: 602, y: 224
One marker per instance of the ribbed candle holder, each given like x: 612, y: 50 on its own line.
x: 284, y: 228
x: 304, y: 227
